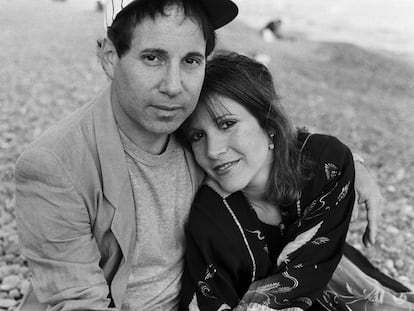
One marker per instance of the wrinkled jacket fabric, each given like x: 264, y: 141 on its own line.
x: 75, y: 212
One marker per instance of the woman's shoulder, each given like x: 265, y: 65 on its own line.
x: 320, y: 147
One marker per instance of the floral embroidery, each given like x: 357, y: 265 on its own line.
x: 331, y: 171
x: 272, y: 290
x: 297, y: 243
x: 258, y: 233
x: 343, y: 193
x: 205, y: 289
x: 320, y: 240
x: 211, y: 270
x: 314, y: 211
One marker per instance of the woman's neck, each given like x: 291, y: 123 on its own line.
x: 255, y: 193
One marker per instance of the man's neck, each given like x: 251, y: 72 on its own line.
x: 152, y: 143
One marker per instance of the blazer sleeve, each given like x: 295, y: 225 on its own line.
x: 314, y: 243
x: 56, y: 237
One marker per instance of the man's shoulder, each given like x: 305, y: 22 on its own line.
x: 73, y: 130
x: 70, y: 144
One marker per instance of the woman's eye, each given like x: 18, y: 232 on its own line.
x: 195, y: 137
x: 227, y: 124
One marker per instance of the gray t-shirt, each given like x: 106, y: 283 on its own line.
x: 163, y: 193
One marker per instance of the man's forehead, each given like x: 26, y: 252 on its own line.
x: 171, y: 31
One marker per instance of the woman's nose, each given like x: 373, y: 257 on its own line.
x: 216, y: 146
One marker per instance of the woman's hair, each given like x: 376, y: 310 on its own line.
x: 121, y: 31
x: 250, y: 84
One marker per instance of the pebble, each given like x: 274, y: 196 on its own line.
x: 7, y: 303
x: 9, y: 258
x: 389, y: 264
x: 391, y: 188
x: 10, y: 282
x: 15, y: 294
x: 399, y: 263
x: 407, y: 210
x: 392, y: 230
x: 8, y: 270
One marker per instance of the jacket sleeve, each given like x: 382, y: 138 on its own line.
x: 209, y: 281
x: 56, y: 236
x: 314, y: 243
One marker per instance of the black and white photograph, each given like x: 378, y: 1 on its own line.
x: 206, y: 155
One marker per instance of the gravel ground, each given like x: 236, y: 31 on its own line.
x: 48, y: 69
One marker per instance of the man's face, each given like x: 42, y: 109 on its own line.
x: 157, y: 82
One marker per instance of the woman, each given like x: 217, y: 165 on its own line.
x: 267, y: 229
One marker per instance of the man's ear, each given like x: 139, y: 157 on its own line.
x: 108, y: 56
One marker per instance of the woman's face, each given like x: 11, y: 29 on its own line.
x: 230, y: 146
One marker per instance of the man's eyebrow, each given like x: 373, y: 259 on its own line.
x: 196, y: 54
x: 155, y: 51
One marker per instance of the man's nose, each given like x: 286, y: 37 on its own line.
x: 172, y: 84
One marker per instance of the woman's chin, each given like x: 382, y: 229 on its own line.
x: 231, y: 187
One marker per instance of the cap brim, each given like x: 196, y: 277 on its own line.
x: 221, y: 12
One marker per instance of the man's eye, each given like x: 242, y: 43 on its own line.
x: 151, y: 59
x: 192, y: 61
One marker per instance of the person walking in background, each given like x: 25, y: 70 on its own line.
x: 267, y: 229
x: 102, y: 197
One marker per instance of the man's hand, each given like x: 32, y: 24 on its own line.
x: 369, y: 196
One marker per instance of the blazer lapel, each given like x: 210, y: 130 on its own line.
x: 116, y: 185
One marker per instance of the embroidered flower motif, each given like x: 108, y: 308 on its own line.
x: 343, y: 193
x: 320, y: 240
x: 205, y: 289
x: 269, y: 287
x: 297, y: 243
x: 269, y: 296
x: 309, y: 208
x: 331, y: 171
x: 211, y: 270
x: 258, y: 233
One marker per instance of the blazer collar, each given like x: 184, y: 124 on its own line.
x: 116, y: 185
x: 115, y: 176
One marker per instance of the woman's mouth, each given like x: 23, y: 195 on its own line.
x: 225, y: 167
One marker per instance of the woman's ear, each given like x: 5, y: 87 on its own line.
x: 271, y: 140
x: 107, y: 56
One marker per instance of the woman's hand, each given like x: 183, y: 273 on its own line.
x: 369, y: 196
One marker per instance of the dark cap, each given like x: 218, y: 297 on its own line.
x: 220, y: 12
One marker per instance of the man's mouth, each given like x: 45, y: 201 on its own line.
x: 167, y: 108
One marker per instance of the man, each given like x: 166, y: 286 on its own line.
x: 102, y: 197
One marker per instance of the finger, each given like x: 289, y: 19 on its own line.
x: 355, y: 211
x: 373, y: 216
x: 365, y: 238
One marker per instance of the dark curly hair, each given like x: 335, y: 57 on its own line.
x: 121, y: 30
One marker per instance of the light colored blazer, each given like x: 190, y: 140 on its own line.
x: 75, y: 212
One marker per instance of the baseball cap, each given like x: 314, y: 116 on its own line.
x: 221, y: 12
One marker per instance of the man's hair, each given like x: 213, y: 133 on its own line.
x: 250, y: 84
x: 121, y: 30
